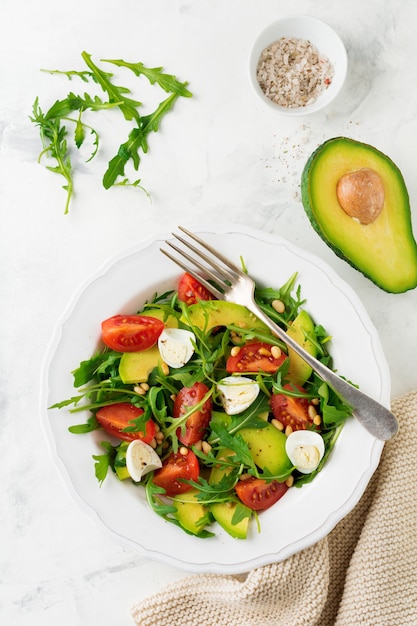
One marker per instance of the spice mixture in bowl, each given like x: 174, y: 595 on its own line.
x: 298, y: 65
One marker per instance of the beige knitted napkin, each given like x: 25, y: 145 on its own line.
x: 363, y: 573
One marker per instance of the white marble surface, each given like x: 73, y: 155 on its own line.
x: 222, y: 156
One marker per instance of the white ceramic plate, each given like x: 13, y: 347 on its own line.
x: 304, y: 515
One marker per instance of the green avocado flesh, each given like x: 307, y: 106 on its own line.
x: 267, y: 449
x: 190, y: 513
x: 135, y: 367
x: 301, y: 328
x: 208, y: 314
x: 384, y: 250
x: 223, y: 512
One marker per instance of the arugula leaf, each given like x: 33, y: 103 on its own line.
x: 116, y: 94
x: 103, y: 461
x: 235, y: 443
x: 81, y: 429
x: 102, y: 362
x: 137, y: 141
x: 54, y: 133
x: 241, y: 512
x: 168, y: 82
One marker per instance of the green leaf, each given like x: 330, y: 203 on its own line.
x: 241, y: 512
x: 103, y: 461
x: 168, y: 82
x: 91, y: 425
x: 116, y: 95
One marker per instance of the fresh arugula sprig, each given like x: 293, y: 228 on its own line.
x: 157, y: 502
x: 54, y: 133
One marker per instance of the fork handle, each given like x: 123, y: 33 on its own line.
x: 376, y: 418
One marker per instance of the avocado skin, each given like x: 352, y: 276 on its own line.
x: 402, y: 244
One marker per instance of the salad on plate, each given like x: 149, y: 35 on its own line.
x: 204, y: 409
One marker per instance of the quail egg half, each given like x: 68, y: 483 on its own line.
x: 305, y: 449
x: 237, y: 393
x: 141, y: 459
x: 176, y: 346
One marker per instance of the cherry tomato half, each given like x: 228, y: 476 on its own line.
x: 115, y: 417
x: 175, y: 468
x: 197, y: 423
x: 255, y: 357
x: 258, y: 494
x: 190, y: 290
x: 131, y: 333
x: 291, y: 411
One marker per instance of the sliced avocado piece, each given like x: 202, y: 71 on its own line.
x: 267, y: 448
x: 223, y: 514
x: 207, y: 314
x: 135, y: 367
x: 170, y: 321
x: 191, y: 514
x: 357, y: 201
x: 120, y: 461
x: 218, y: 471
x: 299, y: 371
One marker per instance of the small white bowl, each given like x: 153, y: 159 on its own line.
x: 328, y: 44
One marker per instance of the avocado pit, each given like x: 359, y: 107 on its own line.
x: 361, y: 195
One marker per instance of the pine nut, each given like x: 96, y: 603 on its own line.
x: 264, y: 352
x: 288, y: 430
x: 139, y: 390
x: 290, y: 481
x: 153, y: 443
x: 276, y: 352
x: 278, y: 306
x: 312, y: 411
x: 315, y: 401
x: 199, y: 445
x: 235, y: 351
x: 164, y: 368
x: 206, y: 447
x: 279, y: 425
x: 317, y: 420
x: 183, y: 450
x: 144, y: 386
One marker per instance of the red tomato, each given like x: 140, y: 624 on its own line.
x: 291, y: 411
x: 197, y: 423
x: 258, y: 494
x: 115, y: 417
x: 190, y: 290
x: 255, y: 357
x: 131, y: 333
x: 175, y: 468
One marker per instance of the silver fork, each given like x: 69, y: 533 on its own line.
x: 233, y: 285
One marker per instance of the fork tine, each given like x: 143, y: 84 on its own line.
x: 195, y: 261
x: 218, y: 294
x: 217, y: 255
x: 220, y: 274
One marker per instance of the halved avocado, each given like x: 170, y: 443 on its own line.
x: 357, y: 201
